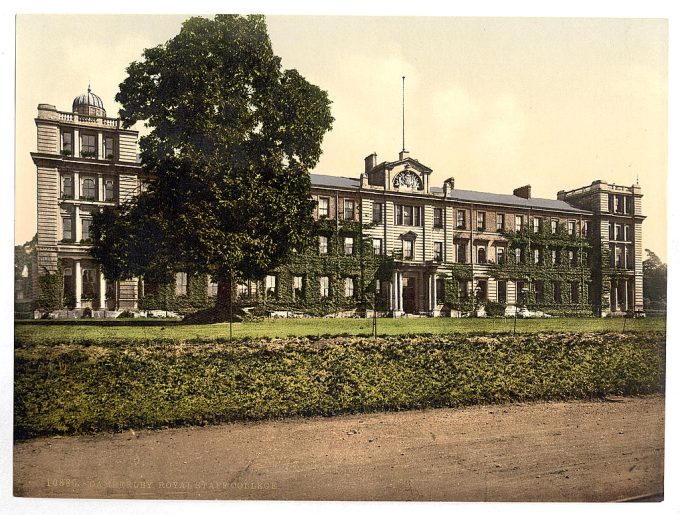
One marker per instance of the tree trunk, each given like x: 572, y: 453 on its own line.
x: 225, y: 294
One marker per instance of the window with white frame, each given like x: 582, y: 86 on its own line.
x: 438, y: 222
x: 67, y: 228
x: 349, y: 209
x: 67, y: 187
x: 349, y: 287
x: 323, y: 206
x: 518, y: 255
x: 407, y: 248
x: 212, y: 287
x: 377, y: 212
x: 586, y: 228
x: 618, y: 233
x: 88, y: 145
x: 537, y: 256
x: 323, y: 244
x: 518, y: 223
x: 536, y: 224
x: 408, y: 215
x: 108, y: 190
x: 481, y: 221
x: 572, y: 258
x: 88, y: 189
x: 438, y: 251
x: 553, y: 256
x: 500, y: 221
x: 181, y: 283
x: 500, y: 255
x: 86, y: 223
x: 108, y: 147
x: 571, y: 227
x: 461, y: 252
x: 377, y: 246
x: 324, y: 283
x: 349, y: 245
x: 297, y: 287
x: 553, y: 226
x: 270, y: 285
x: 67, y: 143
x: 460, y: 219
x: 626, y: 233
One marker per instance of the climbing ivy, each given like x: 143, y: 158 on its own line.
x: 51, y: 290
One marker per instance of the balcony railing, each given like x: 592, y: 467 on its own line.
x: 92, y: 120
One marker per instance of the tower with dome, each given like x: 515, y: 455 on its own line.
x: 85, y: 161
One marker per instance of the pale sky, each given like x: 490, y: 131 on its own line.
x: 494, y: 102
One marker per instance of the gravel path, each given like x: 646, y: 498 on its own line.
x: 557, y: 451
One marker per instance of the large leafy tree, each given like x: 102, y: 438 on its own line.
x: 226, y: 161
x: 655, y: 275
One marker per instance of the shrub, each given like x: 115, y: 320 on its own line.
x: 154, y: 383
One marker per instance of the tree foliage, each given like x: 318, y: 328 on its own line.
x: 226, y: 162
x: 654, y: 281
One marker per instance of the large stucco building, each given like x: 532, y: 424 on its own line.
x: 388, y: 232
x: 85, y: 161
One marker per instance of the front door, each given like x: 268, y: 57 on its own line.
x: 409, y: 294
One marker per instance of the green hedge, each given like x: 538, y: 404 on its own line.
x: 156, y: 383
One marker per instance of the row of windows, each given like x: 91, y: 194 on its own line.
x: 480, y: 290
x: 409, y: 215
x: 620, y: 204
x: 88, y: 145
x: 68, y: 229
x: 621, y: 257
x: 536, y: 255
x: 347, y: 214
x: 88, y: 188
x: 620, y: 232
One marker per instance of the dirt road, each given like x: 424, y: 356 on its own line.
x: 561, y: 451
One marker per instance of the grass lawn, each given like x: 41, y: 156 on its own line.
x: 44, y: 332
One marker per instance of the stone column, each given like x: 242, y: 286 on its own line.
x: 394, y: 291
x: 615, y: 295
x: 76, y: 142
x: 401, y: 291
x: 77, y: 281
x: 100, y: 187
x: 102, y: 291
x: 100, y: 146
x: 76, y: 185
x: 78, y: 229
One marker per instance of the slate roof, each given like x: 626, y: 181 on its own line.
x: 510, y: 200
x: 331, y: 181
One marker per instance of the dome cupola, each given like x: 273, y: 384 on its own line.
x: 89, y: 104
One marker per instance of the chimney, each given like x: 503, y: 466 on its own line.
x: 561, y: 195
x: 403, y: 154
x: 370, y: 161
x: 449, y: 186
x: 523, y: 192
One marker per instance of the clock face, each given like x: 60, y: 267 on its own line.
x: 408, y: 179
